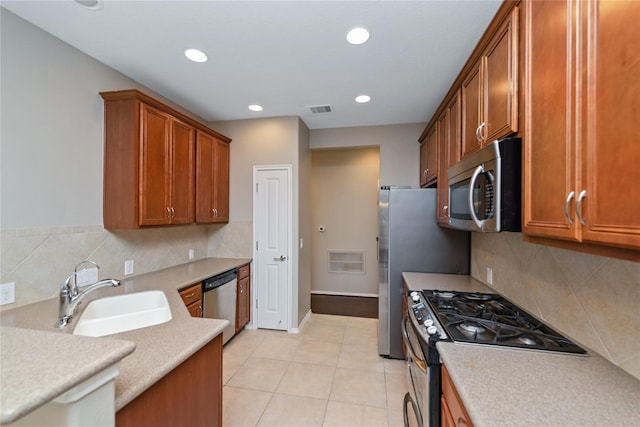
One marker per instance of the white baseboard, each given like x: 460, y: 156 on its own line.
x: 301, y: 325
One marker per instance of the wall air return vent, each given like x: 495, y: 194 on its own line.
x: 317, y: 109
x: 346, y: 262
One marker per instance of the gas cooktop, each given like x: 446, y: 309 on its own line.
x: 483, y: 318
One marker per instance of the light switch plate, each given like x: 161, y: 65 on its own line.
x: 7, y: 293
x: 192, y: 254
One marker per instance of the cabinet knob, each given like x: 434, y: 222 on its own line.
x: 212, y: 213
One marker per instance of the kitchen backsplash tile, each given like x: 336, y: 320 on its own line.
x: 39, y: 259
x: 233, y: 240
x: 592, y: 299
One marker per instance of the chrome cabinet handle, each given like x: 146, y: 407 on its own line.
x: 168, y: 212
x: 212, y: 213
x: 479, y: 135
x: 173, y: 213
x: 566, y: 207
x: 581, y: 197
x: 445, y: 208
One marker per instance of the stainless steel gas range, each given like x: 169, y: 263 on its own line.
x: 463, y: 317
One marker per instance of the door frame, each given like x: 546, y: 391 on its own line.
x: 255, y: 271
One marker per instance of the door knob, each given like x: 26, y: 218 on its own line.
x: 280, y: 258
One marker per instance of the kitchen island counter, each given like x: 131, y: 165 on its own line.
x: 158, y: 349
x: 502, y: 386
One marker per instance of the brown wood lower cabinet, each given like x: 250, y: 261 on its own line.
x: 192, y: 298
x: 190, y: 395
x: 243, y: 309
x: 453, y: 412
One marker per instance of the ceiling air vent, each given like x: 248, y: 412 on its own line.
x: 316, y: 109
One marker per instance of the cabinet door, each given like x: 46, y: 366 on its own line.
x: 212, y: 179
x: 244, y: 303
x: 155, y: 157
x: 205, y: 179
x: 423, y: 163
x: 431, y: 155
x: 471, y: 97
x: 549, y: 150
x: 500, y: 75
x: 221, y: 187
x: 611, y: 149
x: 443, y: 161
x: 449, y: 126
x: 182, y: 169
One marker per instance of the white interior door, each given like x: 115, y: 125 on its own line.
x: 272, y: 222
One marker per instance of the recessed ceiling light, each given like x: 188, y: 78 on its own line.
x: 362, y: 99
x: 90, y: 4
x: 195, y: 55
x: 255, y: 107
x: 358, y: 35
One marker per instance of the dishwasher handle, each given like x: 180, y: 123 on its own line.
x: 219, y: 280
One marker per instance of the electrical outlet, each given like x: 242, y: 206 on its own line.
x: 192, y: 254
x: 128, y: 267
x: 490, y: 275
x: 7, y: 293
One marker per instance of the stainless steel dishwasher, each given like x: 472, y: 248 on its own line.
x: 220, y: 300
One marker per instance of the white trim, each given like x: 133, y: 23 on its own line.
x: 346, y: 294
x: 290, y: 305
x: 301, y: 325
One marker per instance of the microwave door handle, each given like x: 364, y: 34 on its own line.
x: 472, y: 184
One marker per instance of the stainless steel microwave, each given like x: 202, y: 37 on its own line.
x: 485, y: 188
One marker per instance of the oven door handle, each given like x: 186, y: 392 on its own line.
x: 420, y: 363
x: 472, y: 183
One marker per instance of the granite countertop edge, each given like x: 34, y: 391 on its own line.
x: 158, y: 349
x: 501, y: 386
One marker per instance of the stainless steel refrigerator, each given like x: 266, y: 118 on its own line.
x: 410, y: 239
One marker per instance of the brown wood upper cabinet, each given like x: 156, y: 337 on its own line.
x: 489, y: 93
x: 449, y: 149
x: 150, y: 163
x: 212, y: 179
x: 166, y: 179
x: 429, y: 156
x: 582, y: 97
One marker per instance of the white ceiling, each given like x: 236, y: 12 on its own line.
x: 283, y: 55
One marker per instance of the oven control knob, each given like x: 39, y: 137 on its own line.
x: 432, y: 330
x: 428, y: 323
x: 415, y: 297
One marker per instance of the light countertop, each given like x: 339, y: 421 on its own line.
x: 511, y: 387
x: 31, y: 343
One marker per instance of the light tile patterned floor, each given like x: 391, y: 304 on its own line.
x: 328, y: 375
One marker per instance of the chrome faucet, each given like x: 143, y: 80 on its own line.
x: 71, y: 295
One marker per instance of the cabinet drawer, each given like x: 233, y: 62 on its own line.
x: 454, y: 404
x: 243, y: 271
x: 191, y: 293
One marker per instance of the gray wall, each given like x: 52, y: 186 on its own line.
x: 399, y: 148
x: 345, y: 202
